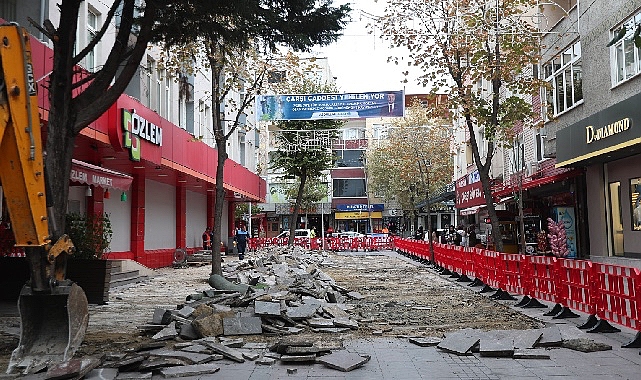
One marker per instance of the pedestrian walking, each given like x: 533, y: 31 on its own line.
x: 241, y: 241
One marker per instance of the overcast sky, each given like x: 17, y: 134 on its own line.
x: 359, y: 60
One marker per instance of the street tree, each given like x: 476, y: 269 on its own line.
x: 459, y: 44
x: 78, y: 97
x: 416, y: 155
x: 227, y: 37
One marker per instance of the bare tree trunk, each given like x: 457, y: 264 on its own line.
x: 221, y: 149
x: 299, y: 200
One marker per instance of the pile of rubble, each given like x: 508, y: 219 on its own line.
x: 278, y: 292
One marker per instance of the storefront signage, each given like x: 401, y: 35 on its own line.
x: 607, y: 135
x: 358, y: 215
x: 361, y: 207
x: 469, y: 194
x: 135, y: 128
x: 83, y: 172
x: 597, y: 134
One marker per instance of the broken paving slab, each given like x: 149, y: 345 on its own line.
x: 76, y: 368
x: 189, y: 370
x: 242, y: 326
x: 298, y: 358
x: 267, y: 308
x: 345, y: 322
x: 320, y: 322
x: 335, y: 311
x: 168, y: 332
x: 585, y: 345
x: 497, y: 347
x: 133, y: 375
x: 425, y: 342
x: 102, y: 374
x: 301, y: 350
x: 192, y: 357
x: 531, y: 353
x: 185, y: 312
x: 227, y: 352
x: 256, y: 345
x: 460, y: 342
x: 551, y: 336
x: 302, y: 312
x: 343, y: 360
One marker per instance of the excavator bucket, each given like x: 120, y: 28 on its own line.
x: 53, y: 326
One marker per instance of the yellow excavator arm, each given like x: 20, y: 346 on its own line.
x: 21, y: 159
x: 53, y: 311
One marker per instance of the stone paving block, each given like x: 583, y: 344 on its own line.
x: 343, y: 360
x: 496, y: 347
x: 551, y: 336
x: 102, y: 374
x: 192, y: 357
x: 335, y: 311
x: 425, y: 342
x: 187, y: 331
x: 233, y: 343
x: 133, y: 375
x: 345, y: 322
x: 242, y: 326
x: 190, y: 370
x: 154, y: 363
x: 302, y: 312
x: 162, y: 316
x: 267, y: 308
x: 168, y: 332
x: 256, y: 345
x: 527, y: 338
x: 251, y: 356
x: 320, y: 322
x: 532, y: 353
x: 227, y: 352
x: 197, y: 348
x: 460, y: 342
x: 266, y: 361
x: 297, y: 358
x: 186, y: 311
x: 299, y: 350
x: 332, y: 330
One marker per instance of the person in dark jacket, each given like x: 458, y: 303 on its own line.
x: 241, y: 241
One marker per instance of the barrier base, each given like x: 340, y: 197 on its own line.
x: 534, y: 304
x: 476, y: 282
x: 486, y: 289
x: 591, y: 322
x: 446, y: 272
x: 523, y: 301
x: 502, y: 295
x: 566, y: 313
x: 634, y: 343
x: 463, y: 278
x: 555, y: 310
x: 455, y: 275
x: 603, y: 326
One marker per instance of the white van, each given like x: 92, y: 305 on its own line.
x: 299, y: 233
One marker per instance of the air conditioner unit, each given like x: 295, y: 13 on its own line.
x: 531, y: 168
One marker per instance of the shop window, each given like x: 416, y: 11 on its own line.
x: 564, y: 75
x: 625, y: 55
x: 616, y: 218
x: 635, y: 189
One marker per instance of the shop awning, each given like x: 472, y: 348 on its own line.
x: 530, y: 183
x: 89, y: 174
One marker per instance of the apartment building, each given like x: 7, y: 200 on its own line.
x: 159, y: 192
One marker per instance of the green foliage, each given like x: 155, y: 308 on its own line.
x: 313, y: 192
x: 91, y: 234
x: 242, y: 208
x: 300, y: 24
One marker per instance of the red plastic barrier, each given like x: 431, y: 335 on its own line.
x: 618, y: 294
x: 575, y: 286
x: 543, y: 282
x: 516, y: 274
x: 494, y: 269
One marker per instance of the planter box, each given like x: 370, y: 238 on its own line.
x: 93, y: 276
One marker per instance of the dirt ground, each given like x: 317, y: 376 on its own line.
x: 401, y: 298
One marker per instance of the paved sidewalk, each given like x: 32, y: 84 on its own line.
x: 397, y: 358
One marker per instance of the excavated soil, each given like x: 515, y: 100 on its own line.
x: 401, y: 298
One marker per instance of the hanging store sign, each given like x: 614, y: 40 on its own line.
x: 468, y: 194
x: 330, y: 106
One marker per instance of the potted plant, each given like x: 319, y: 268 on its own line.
x: 91, y: 235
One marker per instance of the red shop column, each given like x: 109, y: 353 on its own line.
x: 211, y: 204
x: 138, y: 217
x: 181, y: 216
x: 95, y: 203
